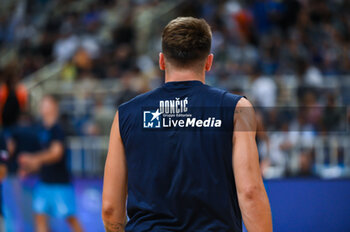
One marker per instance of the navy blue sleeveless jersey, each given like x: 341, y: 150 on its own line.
x: 178, y: 147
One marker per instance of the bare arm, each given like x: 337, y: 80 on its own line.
x: 251, y: 192
x: 115, y: 183
x: 32, y: 162
x: 51, y: 155
x: 3, y: 172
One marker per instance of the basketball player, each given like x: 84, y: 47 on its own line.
x: 184, y: 155
x: 54, y: 194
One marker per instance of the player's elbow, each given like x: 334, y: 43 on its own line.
x: 108, y: 210
x: 255, y: 208
x: 252, y: 193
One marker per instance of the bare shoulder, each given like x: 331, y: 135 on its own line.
x: 244, y: 117
x: 244, y: 102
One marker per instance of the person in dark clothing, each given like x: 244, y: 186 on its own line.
x: 184, y: 155
x: 54, y: 194
x: 13, y: 97
x: 24, y: 138
x: 21, y: 138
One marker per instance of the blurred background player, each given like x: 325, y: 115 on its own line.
x: 22, y: 138
x: 54, y: 195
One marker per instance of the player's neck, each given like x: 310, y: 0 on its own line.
x: 49, y: 121
x: 184, y: 75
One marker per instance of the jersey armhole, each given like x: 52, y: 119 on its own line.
x: 120, y: 126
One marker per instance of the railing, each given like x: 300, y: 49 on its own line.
x: 332, y: 156
x: 88, y: 154
x: 36, y: 82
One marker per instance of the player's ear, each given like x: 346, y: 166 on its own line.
x: 161, y: 61
x: 209, y: 62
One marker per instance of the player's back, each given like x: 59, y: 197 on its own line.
x: 178, y: 146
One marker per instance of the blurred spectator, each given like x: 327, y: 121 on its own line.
x: 274, y: 34
x: 282, y: 144
x: 128, y: 91
x: 305, y: 164
x: 333, y: 115
x: 13, y: 97
x: 263, y: 91
x: 103, y: 117
x: 67, y: 45
x: 90, y: 128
